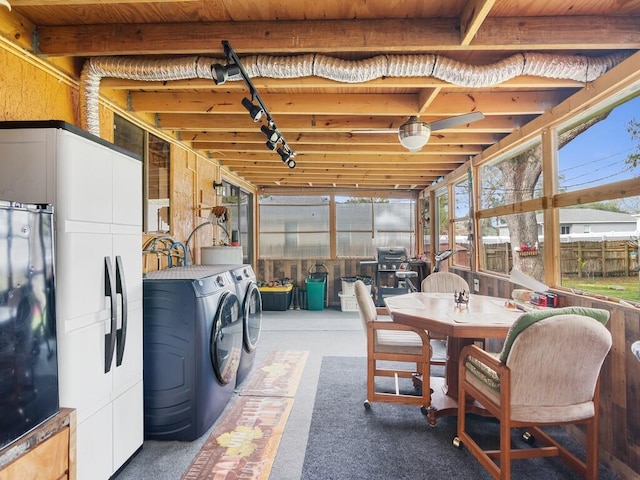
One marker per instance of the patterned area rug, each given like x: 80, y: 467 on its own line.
x: 245, y: 439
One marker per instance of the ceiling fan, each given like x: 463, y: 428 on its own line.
x: 414, y: 134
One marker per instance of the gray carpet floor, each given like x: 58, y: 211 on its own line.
x: 347, y: 442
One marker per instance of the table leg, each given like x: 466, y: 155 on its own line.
x: 444, y: 399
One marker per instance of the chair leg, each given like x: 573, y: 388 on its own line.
x: 371, y: 368
x: 505, y: 449
x: 592, y: 450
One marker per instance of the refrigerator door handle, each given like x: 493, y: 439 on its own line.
x: 121, y: 288
x: 110, y: 291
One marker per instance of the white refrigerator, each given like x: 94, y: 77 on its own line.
x: 96, y: 191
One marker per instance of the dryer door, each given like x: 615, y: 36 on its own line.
x: 252, y: 317
x: 226, y: 338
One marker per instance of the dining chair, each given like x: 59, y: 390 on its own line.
x: 546, y: 374
x: 443, y: 282
x: 397, y: 345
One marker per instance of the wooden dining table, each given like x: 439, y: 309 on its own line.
x: 481, y: 318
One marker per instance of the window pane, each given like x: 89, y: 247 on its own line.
x: 462, y: 256
x: 601, y: 148
x: 426, y: 227
x: 442, y: 220
x: 294, y: 245
x: 599, y: 241
x: 157, y: 164
x: 363, y: 224
x: 603, y: 261
x: 461, y: 201
x: 294, y: 227
x: 513, y: 179
x: 513, y: 241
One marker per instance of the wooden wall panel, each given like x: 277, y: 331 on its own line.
x: 28, y: 93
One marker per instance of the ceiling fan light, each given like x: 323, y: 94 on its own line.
x: 414, y: 134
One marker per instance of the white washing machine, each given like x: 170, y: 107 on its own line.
x: 251, y: 301
x: 193, y: 336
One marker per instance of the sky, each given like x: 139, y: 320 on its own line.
x: 598, y: 155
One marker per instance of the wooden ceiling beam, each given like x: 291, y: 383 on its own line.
x: 323, y: 123
x: 374, y: 36
x: 340, y: 149
x: 473, y: 15
x: 277, y: 103
x: 445, y: 104
x: 274, y: 84
x: 353, y: 161
x: 306, y: 138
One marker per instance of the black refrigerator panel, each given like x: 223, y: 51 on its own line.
x: 28, y: 355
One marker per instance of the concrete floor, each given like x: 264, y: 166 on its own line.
x: 325, y: 332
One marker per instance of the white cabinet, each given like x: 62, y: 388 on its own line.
x: 96, y: 191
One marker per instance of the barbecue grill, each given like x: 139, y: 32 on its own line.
x: 390, y: 258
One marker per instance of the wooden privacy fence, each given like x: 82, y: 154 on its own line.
x: 582, y: 259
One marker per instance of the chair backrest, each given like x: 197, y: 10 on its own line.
x: 444, y: 282
x: 366, y: 307
x: 555, y: 360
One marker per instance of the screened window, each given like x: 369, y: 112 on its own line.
x: 602, y: 148
x: 157, y: 162
x: 442, y: 218
x: 462, y: 222
x: 363, y: 224
x: 513, y: 240
x: 499, y: 252
x: 294, y: 227
x: 238, y: 203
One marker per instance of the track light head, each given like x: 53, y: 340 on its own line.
x: 254, y: 110
x: 271, y: 133
x: 221, y: 73
x: 287, y: 156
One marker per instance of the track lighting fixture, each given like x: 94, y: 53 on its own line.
x: 221, y: 73
x: 255, y: 111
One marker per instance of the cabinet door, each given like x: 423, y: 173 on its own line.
x: 128, y: 424
x: 84, y: 180
x: 127, y: 190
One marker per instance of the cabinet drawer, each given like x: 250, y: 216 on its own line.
x: 47, y: 461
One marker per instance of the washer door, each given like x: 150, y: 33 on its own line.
x: 226, y: 338
x: 252, y: 317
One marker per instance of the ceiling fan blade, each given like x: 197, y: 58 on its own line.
x: 382, y: 130
x: 455, y: 121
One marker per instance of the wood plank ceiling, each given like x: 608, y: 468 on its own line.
x: 321, y: 118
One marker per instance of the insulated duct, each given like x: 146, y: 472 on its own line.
x: 572, y: 67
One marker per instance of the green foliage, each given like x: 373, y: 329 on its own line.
x: 633, y: 128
